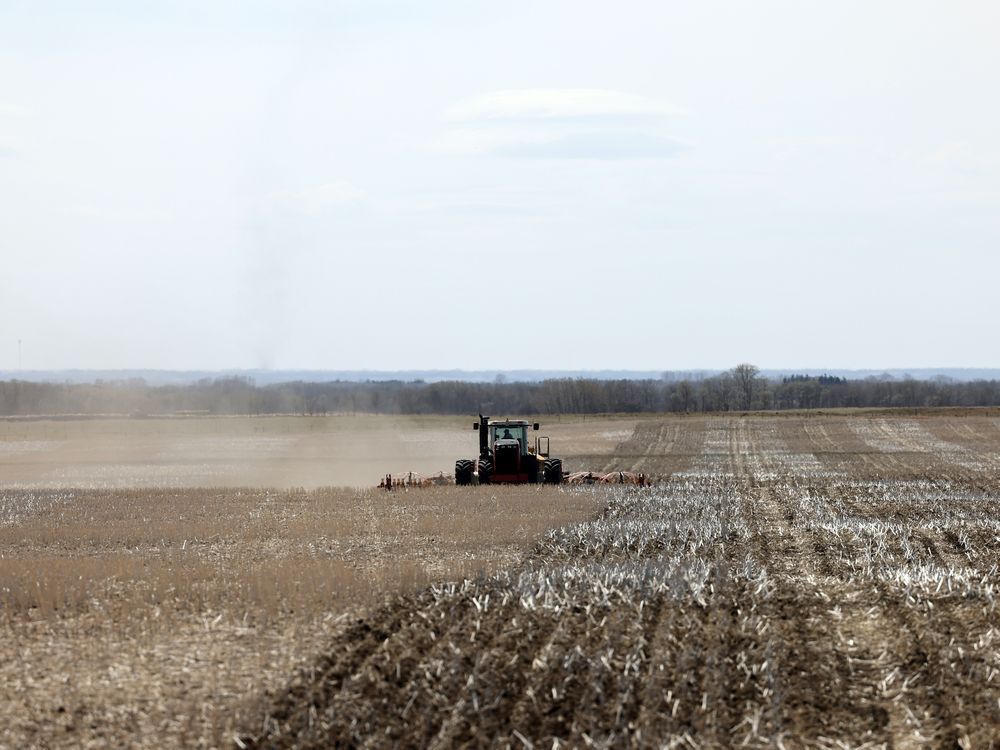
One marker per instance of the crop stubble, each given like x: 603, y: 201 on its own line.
x: 808, y: 580
x: 801, y: 581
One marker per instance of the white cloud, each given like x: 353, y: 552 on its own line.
x: 547, y: 104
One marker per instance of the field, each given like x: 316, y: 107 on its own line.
x: 797, y: 580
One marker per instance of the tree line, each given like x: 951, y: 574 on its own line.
x: 739, y: 389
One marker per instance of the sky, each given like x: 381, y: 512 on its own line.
x: 463, y: 184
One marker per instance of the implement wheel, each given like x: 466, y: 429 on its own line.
x: 552, y: 471
x: 463, y: 471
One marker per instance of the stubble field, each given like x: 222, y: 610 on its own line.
x: 796, y: 580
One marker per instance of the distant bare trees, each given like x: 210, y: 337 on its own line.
x: 683, y: 397
x: 741, y: 388
x: 746, y: 383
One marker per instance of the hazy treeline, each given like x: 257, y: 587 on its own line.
x: 741, y: 388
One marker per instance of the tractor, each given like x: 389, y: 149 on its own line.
x: 505, y: 456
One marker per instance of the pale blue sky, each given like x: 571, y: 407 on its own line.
x: 651, y: 185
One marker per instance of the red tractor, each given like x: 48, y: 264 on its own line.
x: 505, y: 456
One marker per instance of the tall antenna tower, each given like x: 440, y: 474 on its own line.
x: 19, y: 354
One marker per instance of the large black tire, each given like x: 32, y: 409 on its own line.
x: 530, y: 465
x: 552, y: 471
x: 485, y: 470
x: 463, y: 471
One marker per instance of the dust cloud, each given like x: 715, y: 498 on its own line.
x: 281, y: 452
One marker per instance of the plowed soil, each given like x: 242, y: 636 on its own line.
x: 806, y: 581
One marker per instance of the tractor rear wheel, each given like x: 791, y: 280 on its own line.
x: 485, y: 470
x: 463, y: 471
x: 552, y: 471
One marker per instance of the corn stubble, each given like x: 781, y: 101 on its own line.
x: 790, y: 584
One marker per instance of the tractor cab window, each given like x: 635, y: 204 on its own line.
x: 508, y: 432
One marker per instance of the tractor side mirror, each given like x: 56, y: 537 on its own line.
x: 535, y: 426
x: 475, y: 425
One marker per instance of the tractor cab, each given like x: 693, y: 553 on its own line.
x: 510, y: 459
x: 504, y: 434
